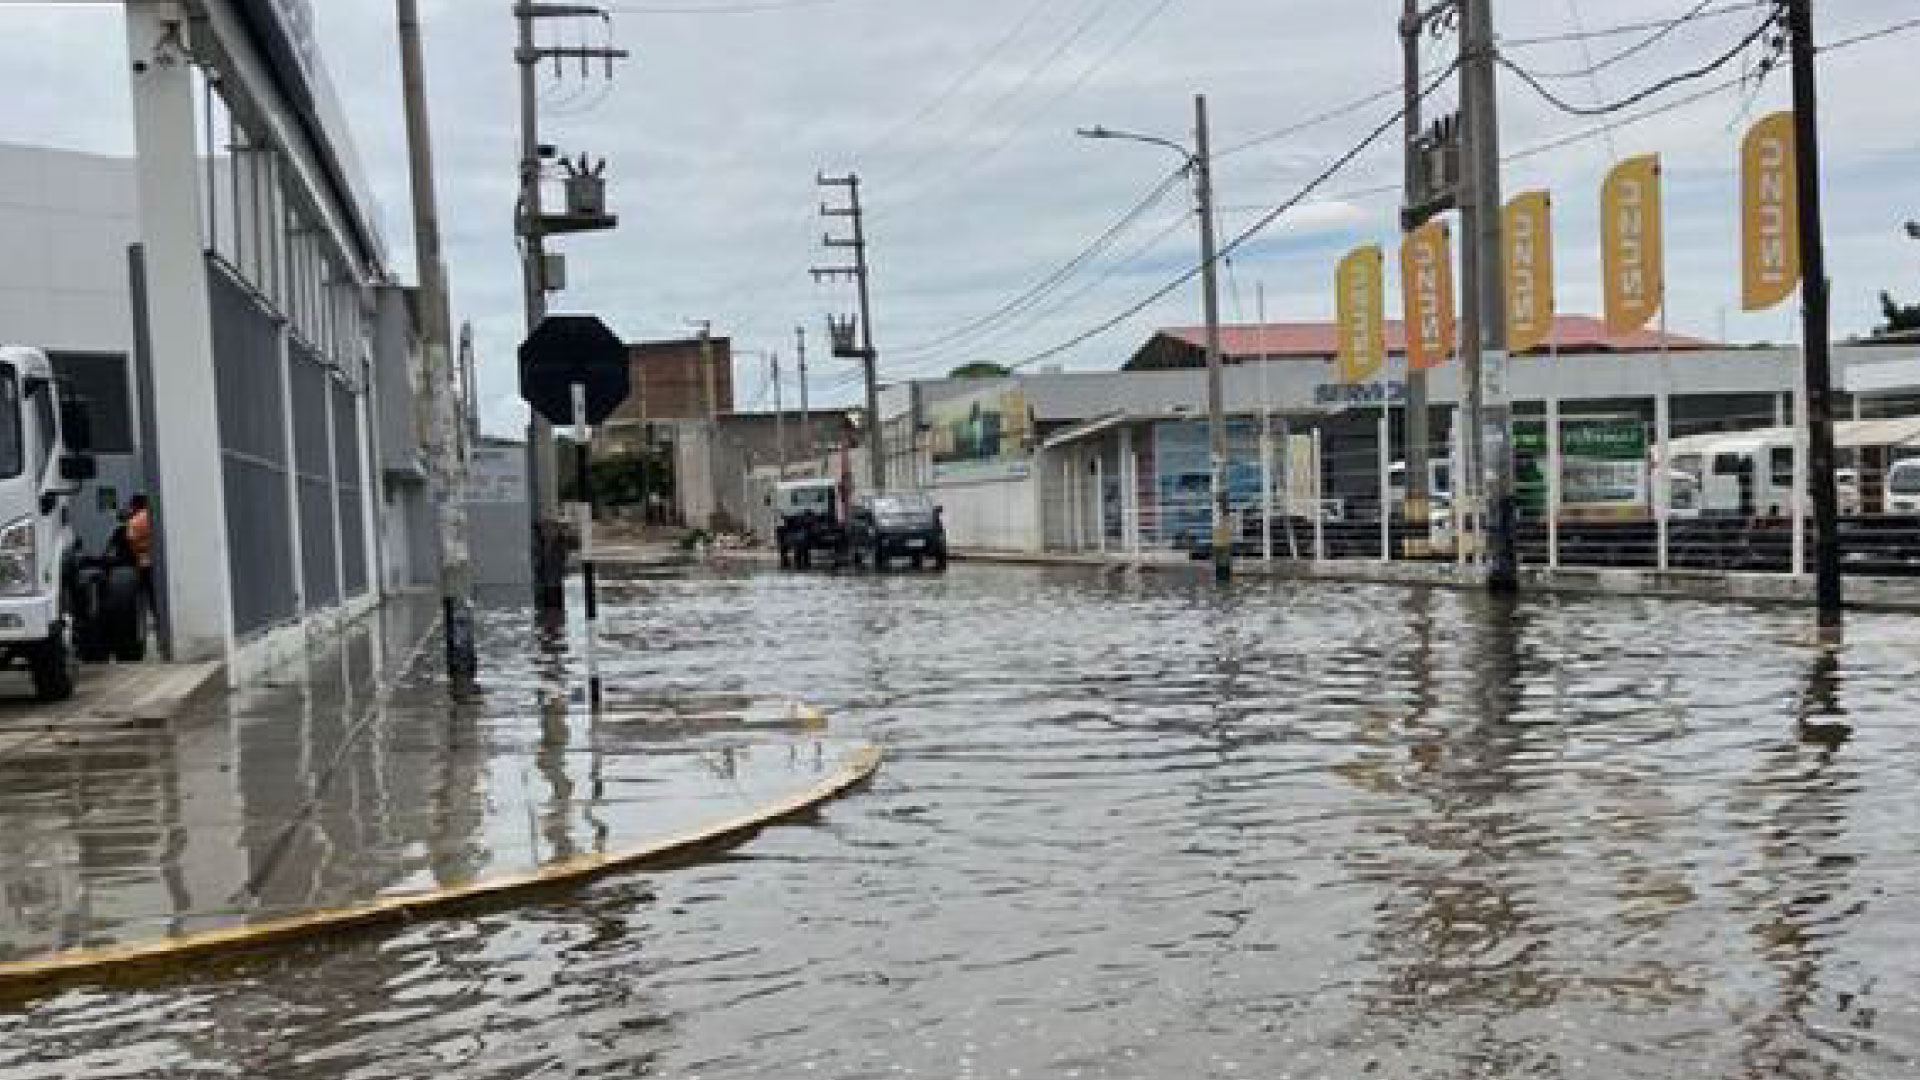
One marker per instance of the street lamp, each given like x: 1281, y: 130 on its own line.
x: 1199, y: 165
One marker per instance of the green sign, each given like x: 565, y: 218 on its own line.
x: 1602, y: 462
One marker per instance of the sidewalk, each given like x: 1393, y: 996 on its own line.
x: 360, y: 783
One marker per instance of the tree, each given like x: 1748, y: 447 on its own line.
x: 979, y: 369
x: 1900, y: 317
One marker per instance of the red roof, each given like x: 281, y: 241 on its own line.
x: 1318, y: 340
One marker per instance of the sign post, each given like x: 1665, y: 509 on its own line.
x: 584, y: 482
x: 574, y: 370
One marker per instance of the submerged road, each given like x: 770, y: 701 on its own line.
x: 1138, y: 827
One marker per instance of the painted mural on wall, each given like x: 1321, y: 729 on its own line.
x: 985, y: 435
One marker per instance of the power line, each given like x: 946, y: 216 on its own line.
x: 1623, y: 29
x: 1231, y: 246
x: 1871, y: 35
x: 966, y: 76
x: 1131, y: 258
x: 1636, y: 98
x: 1594, y: 67
x: 1094, y: 14
x: 969, y: 165
x: 1316, y: 120
x: 1053, y: 280
x: 755, y: 7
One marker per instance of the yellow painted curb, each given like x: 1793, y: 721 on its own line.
x: 82, y: 965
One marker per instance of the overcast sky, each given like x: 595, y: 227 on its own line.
x: 960, y: 119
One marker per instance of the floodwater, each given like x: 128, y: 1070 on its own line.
x: 1138, y: 827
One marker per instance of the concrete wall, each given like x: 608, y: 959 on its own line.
x: 992, y: 515
x: 66, y: 221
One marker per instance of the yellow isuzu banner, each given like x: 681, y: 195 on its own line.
x: 1527, y: 234
x: 1632, y: 259
x: 1769, y: 214
x: 1426, y: 285
x: 1361, y: 302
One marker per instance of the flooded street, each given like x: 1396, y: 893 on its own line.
x: 1139, y: 827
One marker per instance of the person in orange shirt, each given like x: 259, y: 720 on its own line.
x: 139, y: 533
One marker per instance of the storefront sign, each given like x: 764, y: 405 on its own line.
x: 1334, y: 395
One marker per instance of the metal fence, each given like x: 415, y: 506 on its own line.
x: 1597, y: 486
x: 313, y: 466
x: 251, y: 397
x: 346, y: 471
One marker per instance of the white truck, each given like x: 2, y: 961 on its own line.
x: 55, y: 606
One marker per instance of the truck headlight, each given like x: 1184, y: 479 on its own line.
x: 17, y: 561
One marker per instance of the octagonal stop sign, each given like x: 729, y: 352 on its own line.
x: 568, y: 349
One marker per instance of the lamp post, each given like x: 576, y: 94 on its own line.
x: 1199, y: 165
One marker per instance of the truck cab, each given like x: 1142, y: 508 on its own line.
x: 809, y: 515
x: 43, y: 463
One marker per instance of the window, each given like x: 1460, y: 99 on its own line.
x: 1780, y: 466
x: 1904, y: 478
x: 48, y: 424
x: 100, y: 380
x: 1730, y: 465
x: 11, y: 451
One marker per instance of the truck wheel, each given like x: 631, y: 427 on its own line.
x: 52, y: 667
x: 940, y: 560
x: 879, y: 555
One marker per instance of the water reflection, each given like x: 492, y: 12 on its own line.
x: 1133, y: 827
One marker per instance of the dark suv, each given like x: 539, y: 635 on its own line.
x: 902, y: 523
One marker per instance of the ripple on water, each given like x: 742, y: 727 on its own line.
x: 1135, y: 827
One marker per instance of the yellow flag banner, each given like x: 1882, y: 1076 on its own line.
x: 1426, y: 286
x: 1361, y: 301
x: 1527, y: 234
x: 1769, y: 214
x: 1630, y: 243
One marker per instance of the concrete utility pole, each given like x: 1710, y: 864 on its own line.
x: 1415, y: 508
x: 779, y: 416
x: 843, y: 344
x: 534, y: 226
x: 806, y: 421
x: 444, y: 443
x: 1484, y: 317
x: 1814, y: 289
x: 709, y: 378
x: 1210, y: 289
x: 1199, y: 165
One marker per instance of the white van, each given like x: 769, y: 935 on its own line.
x: 1903, y: 486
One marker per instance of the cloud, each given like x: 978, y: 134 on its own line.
x: 960, y: 119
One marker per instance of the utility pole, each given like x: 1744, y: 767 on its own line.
x: 534, y: 225
x: 1816, y: 342
x: 1484, y: 318
x: 1412, y: 24
x: 470, y: 384
x: 1199, y: 165
x: 806, y: 421
x: 842, y: 330
x: 444, y: 443
x: 779, y: 416
x: 1210, y: 288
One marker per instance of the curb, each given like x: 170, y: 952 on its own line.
x: 96, y: 965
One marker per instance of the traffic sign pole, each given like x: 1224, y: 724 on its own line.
x: 583, y: 446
